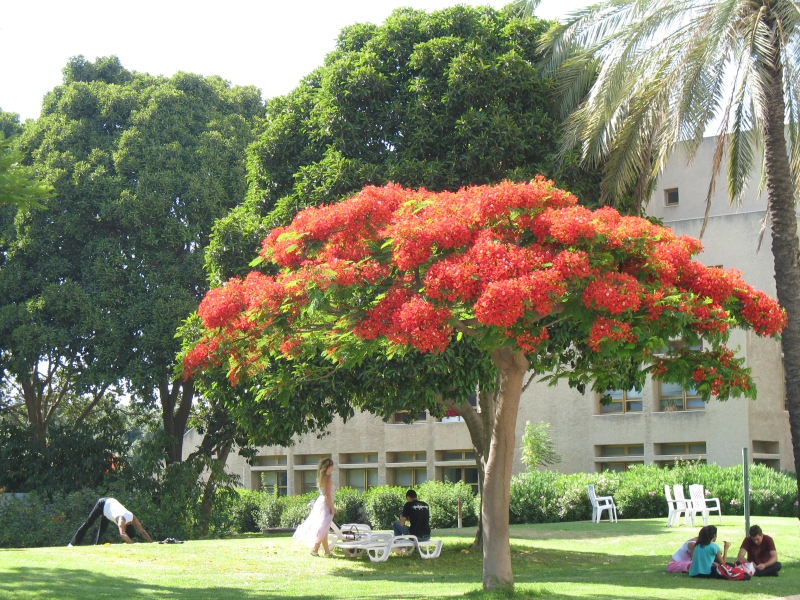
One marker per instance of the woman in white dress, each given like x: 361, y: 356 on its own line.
x: 314, y: 530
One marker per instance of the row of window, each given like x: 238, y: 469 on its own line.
x: 365, y: 458
x: 672, y: 395
x: 363, y: 479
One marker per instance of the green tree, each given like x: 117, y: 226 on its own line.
x: 18, y: 183
x: 660, y: 69
x: 538, y: 448
x: 141, y: 167
x: 518, y: 272
x: 437, y: 100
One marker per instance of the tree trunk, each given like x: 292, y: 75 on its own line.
x: 785, y: 246
x: 511, y: 367
x: 475, y: 428
x: 207, y: 503
x: 175, y: 420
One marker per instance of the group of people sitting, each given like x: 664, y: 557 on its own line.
x: 697, y: 556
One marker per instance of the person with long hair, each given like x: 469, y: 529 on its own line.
x: 314, y: 530
x: 706, y: 553
x: 682, y: 559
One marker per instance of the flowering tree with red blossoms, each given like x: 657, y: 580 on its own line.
x: 536, y: 282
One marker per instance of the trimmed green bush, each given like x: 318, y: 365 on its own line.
x: 442, y: 498
x: 268, y: 515
x: 349, y: 508
x: 547, y: 497
x: 383, y: 505
x: 295, y: 509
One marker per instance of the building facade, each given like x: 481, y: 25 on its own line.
x: 658, y: 425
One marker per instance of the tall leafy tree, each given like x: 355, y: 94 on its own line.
x: 18, y: 183
x: 641, y: 76
x: 519, y: 272
x: 142, y: 166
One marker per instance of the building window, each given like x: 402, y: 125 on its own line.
x: 618, y: 467
x: 671, y: 197
x: 674, y: 397
x: 362, y: 479
x: 409, y: 478
x: 271, y: 461
x: 762, y: 447
x: 458, y: 455
x: 311, y: 459
x: 694, y: 451
x: 308, y: 482
x: 271, y: 479
x: 622, y: 401
x: 768, y: 462
x: 622, y: 450
x: 468, y: 475
x: 405, y: 416
x: 407, y: 457
x: 357, y: 459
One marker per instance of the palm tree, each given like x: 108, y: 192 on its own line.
x: 640, y: 76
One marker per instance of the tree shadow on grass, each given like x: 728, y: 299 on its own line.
x: 82, y: 584
x: 542, y: 572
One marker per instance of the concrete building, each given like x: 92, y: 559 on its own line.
x: 658, y: 425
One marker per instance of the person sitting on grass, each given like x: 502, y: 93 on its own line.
x: 761, y: 552
x: 418, y: 513
x: 706, y: 553
x: 682, y: 559
x: 110, y: 510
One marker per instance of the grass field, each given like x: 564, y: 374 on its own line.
x: 564, y: 560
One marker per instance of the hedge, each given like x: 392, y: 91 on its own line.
x: 537, y: 497
x: 547, y: 497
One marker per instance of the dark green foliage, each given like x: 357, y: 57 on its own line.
x: 547, y: 497
x: 442, y: 499
x: 437, y: 100
x: 76, y: 456
x: 349, y: 507
x: 383, y: 505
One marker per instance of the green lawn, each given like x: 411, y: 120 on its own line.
x: 565, y: 560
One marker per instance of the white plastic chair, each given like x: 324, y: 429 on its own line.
x: 348, y: 537
x: 671, y: 506
x: 703, y: 505
x: 601, y: 503
x: 682, y: 505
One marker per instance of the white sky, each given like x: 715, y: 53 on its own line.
x: 271, y: 44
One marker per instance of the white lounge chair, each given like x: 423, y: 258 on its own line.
x: 601, y: 503
x: 701, y: 504
x: 379, y: 545
x: 682, y: 505
x: 344, y: 537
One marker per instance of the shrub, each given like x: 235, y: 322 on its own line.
x: 383, y: 505
x: 442, y: 498
x: 268, y: 515
x: 349, y: 506
x: 295, y: 509
x: 244, y: 511
x: 546, y: 497
x: 533, y: 498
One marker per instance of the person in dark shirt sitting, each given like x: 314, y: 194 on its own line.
x: 761, y: 552
x: 418, y: 513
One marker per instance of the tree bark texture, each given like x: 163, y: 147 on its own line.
x: 785, y: 245
x: 497, y: 573
x: 175, y: 420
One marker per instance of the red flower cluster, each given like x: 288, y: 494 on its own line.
x: 761, y: 312
x: 402, y: 265
x: 614, y: 293
x: 609, y: 330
